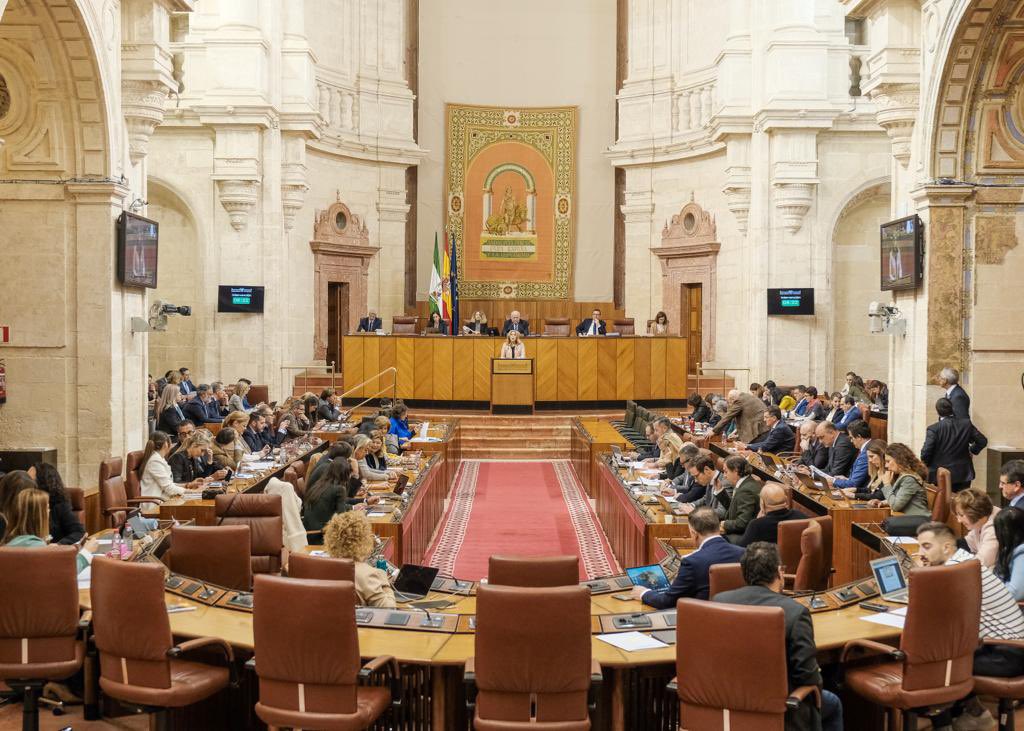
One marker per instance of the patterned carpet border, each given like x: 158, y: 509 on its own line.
x: 446, y: 547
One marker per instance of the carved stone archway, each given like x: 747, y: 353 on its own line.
x: 342, y: 254
x: 689, y: 255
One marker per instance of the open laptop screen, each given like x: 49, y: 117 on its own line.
x: 413, y: 579
x: 889, y: 575
x: 653, y: 576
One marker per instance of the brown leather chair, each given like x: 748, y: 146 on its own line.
x: 114, y: 500
x: 262, y: 513
x: 218, y: 554
x: 624, y: 326
x: 305, y: 566
x: 943, y: 495
x: 539, y: 571
x: 300, y: 467
x: 932, y: 667
x: 139, y: 662
x: 290, y: 475
x: 132, y: 474
x: 308, y: 661
x: 742, y: 683
x: 812, y: 571
x: 258, y: 394
x: 791, y: 534
x: 556, y: 326
x: 1006, y: 690
x: 76, y: 496
x: 403, y: 325
x: 533, y: 668
x: 40, y: 634
x: 724, y: 577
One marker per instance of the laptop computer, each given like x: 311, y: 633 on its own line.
x: 892, y: 584
x: 414, y: 582
x: 809, y: 482
x: 652, y: 577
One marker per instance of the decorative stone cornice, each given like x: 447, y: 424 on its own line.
x: 142, y: 103
x: 237, y: 196
x: 792, y: 201
x: 897, y: 109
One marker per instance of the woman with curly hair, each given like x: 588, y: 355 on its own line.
x: 906, y: 494
x: 348, y: 535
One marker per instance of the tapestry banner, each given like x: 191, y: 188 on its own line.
x: 509, y: 183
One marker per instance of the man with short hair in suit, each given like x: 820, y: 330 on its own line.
x: 812, y: 451
x: 1011, y: 483
x: 747, y: 410
x: 952, y: 442
x: 593, y: 326
x: 203, y: 409
x: 774, y: 510
x: 685, y: 488
x: 253, y: 434
x: 370, y: 324
x: 762, y: 570
x: 859, y: 434
x: 693, y: 579
x: 187, y: 388
x: 741, y: 505
x: 329, y: 408
x: 778, y: 437
x: 517, y: 323
x: 949, y: 379
x: 841, y: 452
x: 716, y: 492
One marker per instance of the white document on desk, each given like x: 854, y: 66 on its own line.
x: 889, y: 619
x: 632, y: 641
x: 649, y: 482
x: 901, y: 540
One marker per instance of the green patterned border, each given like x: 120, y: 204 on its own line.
x: 549, y: 130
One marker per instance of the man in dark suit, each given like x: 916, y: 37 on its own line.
x: 778, y: 438
x: 841, y: 452
x: 693, y: 580
x: 762, y: 570
x: 203, y: 409
x: 774, y: 509
x: 952, y: 442
x: 717, y: 492
x: 369, y: 324
x: 329, y: 408
x: 741, y: 505
x: 253, y: 434
x: 949, y: 379
x: 187, y: 388
x: 593, y: 326
x: 517, y: 323
x: 812, y: 451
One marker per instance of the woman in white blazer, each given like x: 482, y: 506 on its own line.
x: 157, y: 480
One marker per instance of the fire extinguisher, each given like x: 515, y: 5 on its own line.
x: 3, y: 383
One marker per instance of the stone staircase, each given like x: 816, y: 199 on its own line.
x: 540, y: 436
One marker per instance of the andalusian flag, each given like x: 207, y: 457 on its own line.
x: 434, y: 297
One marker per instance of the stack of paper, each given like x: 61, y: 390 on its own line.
x: 632, y: 641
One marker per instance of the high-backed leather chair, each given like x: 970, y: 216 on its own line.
x: 742, y: 683
x: 290, y: 475
x: 308, y: 661
x: 259, y: 393
x: 262, y: 513
x: 403, y: 324
x: 139, y: 662
x: 791, y: 533
x: 300, y: 467
x: 812, y: 571
x: 933, y: 664
x: 532, y: 668
x: 724, y: 577
x: 39, y: 626
x: 76, y: 496
x: 114, y: 500
x: 943, y: 495
x: 536, y: 571
x: 218, y: 554
x: 132, y: 474
x: 556, y: 326
x: 305, y: 566
x: 624, y: 326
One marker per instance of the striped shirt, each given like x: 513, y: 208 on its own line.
x: 1001, y: 618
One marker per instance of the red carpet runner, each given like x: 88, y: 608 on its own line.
x: 520, y: 508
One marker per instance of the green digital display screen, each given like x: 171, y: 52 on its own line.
x: 240, y: 298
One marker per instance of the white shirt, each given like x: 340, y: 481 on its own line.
x: 157, y: 479
x: 950, y: 390
x: 1001, y: 618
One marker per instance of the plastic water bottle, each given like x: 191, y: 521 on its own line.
x: 127, y: 544
x: 115, y: 546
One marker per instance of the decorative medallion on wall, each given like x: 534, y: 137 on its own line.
x: 511, y: 175
x: 5, y: 97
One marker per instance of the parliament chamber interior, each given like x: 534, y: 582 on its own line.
x: 628, y: 365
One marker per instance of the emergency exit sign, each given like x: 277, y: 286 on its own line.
x: 5, y: 334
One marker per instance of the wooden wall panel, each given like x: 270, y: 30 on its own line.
x: 463, y: 370
x: 567, y: 374
x: 405, y: 361
x: 586, y: 367
x: 352, y: 363
x: 545, y: 364
x: 658, y: 368
x: 443, y: 368
x: 483, y: 351
x: 675, y: 365
x: 606, y: 368
x: 371, y: 365
x: 642, y: 368
x: 424, y: 353
x: 388, y: 359
x: 624, y: 368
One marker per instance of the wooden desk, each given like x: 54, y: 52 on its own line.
x: 566, y: 368
x: 512, y: 382
x: 411, y: 527
x: 590, y: 439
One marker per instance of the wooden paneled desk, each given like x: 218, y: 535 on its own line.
x: 512, y: 382
x: 590, y: 439
x: 432, y: 368
x: 411, y: 525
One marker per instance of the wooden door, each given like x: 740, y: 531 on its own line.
x: 690, y: 318
x: 337, y: 320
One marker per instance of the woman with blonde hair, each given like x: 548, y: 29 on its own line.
x: 167, y: 412
x: 187, y: 464
x: 477, y: 325
x: 360, y: 448
x: 877, y: 474
x: 237, y: 400
x: 348, y: 535
x: 670, y: 445
x: 30, y: 523
x: 237, y: 421
x: 513, y: 347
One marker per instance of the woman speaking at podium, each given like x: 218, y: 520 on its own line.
x: 513, y: 348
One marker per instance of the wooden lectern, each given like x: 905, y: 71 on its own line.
x: 512, y: 382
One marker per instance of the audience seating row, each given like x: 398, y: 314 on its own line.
x: 634, y: 424
x: 555, y: 326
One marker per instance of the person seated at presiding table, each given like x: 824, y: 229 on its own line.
x: 329, y: 407
x: 774, y: 510
x: 29, y: 525
x: 1008, y: 528
x: 659, y: 325
x: 812, y: 452
x: 64, y: 526
x: 517, y: 323
x: 860, y: 434
x: 593, y: 326
x: 841, y: 452
x: 335, y: 491
x: 513, y: 347
x: 777, y: 438
x: 670, y: 446
x: 436, y: 325
x: 360, y: 448
x: 907, y: 493
x: 701, y: 413
x: 477, y: 325
x: 1001, y: 619
x: 168, y: 412
x: 693, y: 580
x: 742, y: 501
x: 203, y: 409
x: 157, y: 479
x: 400, y: 425
x: 194, y: 465
x: 370, y: 324
x: 716, y: 491
x: 877, y: 474
x: 225, y: 453
x: 764, y: 575
x: 747, y: 412
x: 350, y: 535
x: 974, y: 511
x: 952, y: 443
x: 851, y: 412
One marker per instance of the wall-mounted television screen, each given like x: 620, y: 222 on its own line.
x: 137, y: 243
x: 901, y: 248
x: 792, y: 301
x: 239, y: 299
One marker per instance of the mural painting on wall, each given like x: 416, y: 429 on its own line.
x: 510, y: 180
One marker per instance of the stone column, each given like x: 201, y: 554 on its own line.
x: 392, y: 213
x: 643, y: 274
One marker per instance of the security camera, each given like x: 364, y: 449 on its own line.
x: 157, y: 320
x: 169, y: 309
x: 886, y: 318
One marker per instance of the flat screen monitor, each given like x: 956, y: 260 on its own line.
x: 901, y: 248
x: 239, y: 298
x: 791, y: 301
x: 137, y: 243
